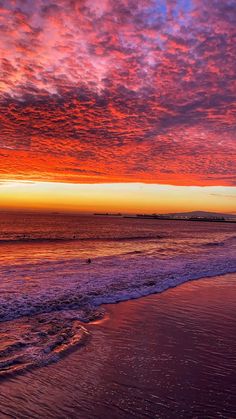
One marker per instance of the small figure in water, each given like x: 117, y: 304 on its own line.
x: 89, y: 261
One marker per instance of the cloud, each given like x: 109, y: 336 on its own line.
x: 106, y: 91
x: 224, y: 195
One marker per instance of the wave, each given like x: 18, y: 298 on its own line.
x: 73, y: 284
x: 44, y: 314
x: 38, y: 341
x: 219, y: 243
x: 33, y: 239
x: 36, y: 239
x: 212, y: 244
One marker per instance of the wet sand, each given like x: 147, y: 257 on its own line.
x: 170, y: 355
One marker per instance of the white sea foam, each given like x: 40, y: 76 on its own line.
x: 45, y: 287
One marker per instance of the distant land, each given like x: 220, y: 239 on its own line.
x: 200, y: 214
x: 174, y: 215
x: 190, y: 216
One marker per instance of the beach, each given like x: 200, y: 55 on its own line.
x: 166, y: 355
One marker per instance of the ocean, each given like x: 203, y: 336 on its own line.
x: 48, y: 291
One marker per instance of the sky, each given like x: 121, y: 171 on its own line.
x: 111, y: 95
x: 114, y: 197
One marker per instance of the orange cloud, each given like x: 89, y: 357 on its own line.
x: 107, y: 91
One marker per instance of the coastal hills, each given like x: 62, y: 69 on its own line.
x: 200, y: 214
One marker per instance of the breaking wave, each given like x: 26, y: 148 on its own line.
x: 42, y: 303
x: 56, y: 286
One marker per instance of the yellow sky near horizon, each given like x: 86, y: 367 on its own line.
x: 123, y: 197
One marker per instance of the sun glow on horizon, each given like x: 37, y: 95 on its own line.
x: 122, y: 197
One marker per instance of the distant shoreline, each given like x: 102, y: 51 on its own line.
x: 178, y: 219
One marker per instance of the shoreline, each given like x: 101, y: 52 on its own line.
x: 161, y: 355
x: 176, y: 219
x: 161, y: 291
x: 89, y: 316
x: 108, y: 281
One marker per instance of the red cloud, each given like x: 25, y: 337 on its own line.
x: 104, y: 91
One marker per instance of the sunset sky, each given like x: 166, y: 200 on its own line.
x: 118, y: 104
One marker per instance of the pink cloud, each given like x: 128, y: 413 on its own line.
x: 127, y: 90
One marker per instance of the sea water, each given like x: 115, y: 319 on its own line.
x: 47, y: 288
